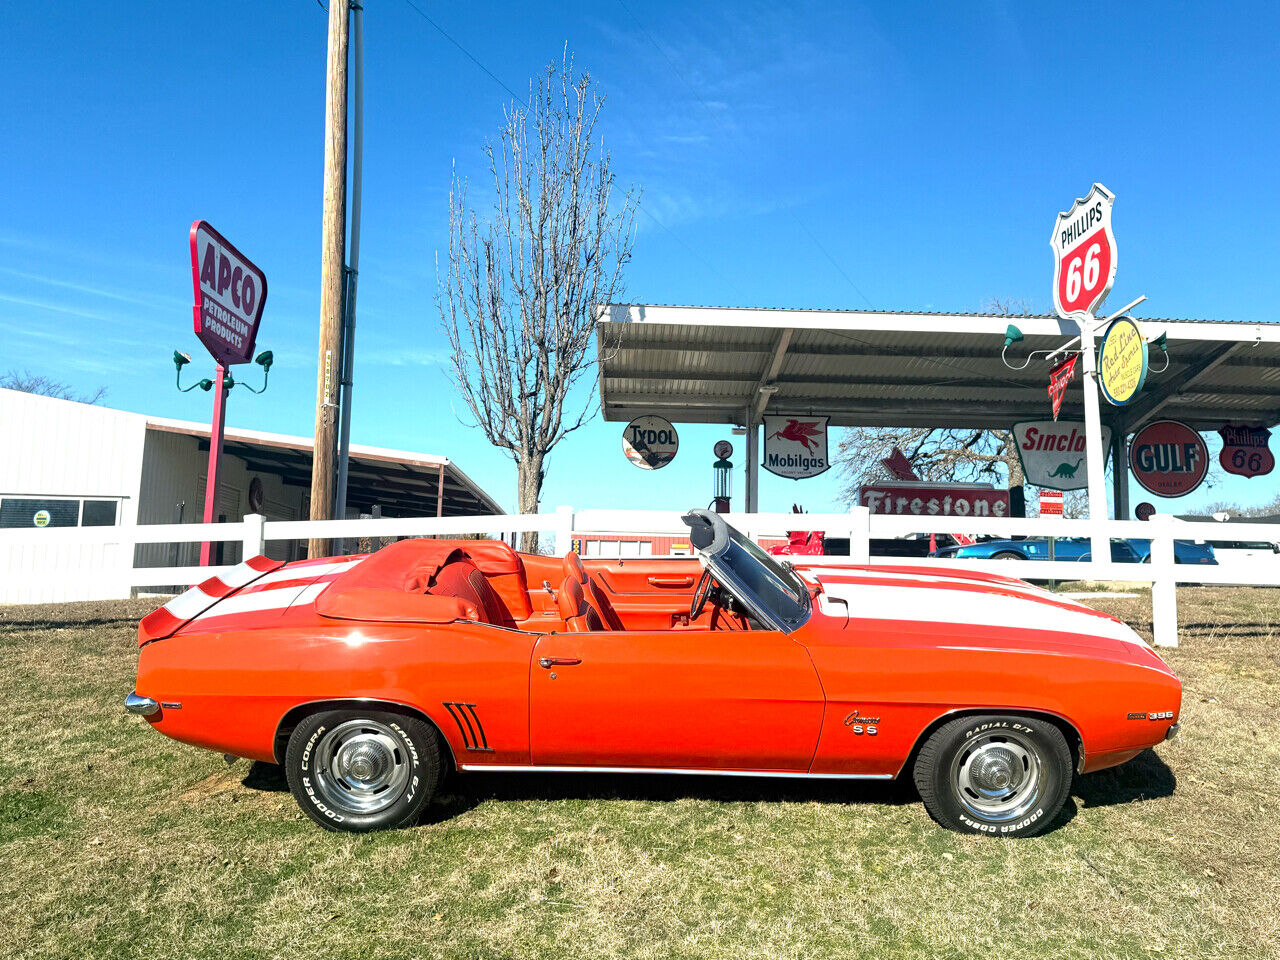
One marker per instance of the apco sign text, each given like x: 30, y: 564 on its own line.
x: 1084, y: 255
x: 230, y: 293
x: 934, y: 500
x: 796, y: 447
x: 1168, y: 458
x: 1053, y: 452
x: 650, y: 442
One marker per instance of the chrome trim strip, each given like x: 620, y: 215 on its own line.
x: 503, y: 768
x: 143, y: 706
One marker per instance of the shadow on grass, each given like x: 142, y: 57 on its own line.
x: 1144, y: 778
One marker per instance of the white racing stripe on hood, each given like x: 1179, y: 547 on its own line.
x: 908, y: 604
x: 927, y: 576
x: 309, y: 572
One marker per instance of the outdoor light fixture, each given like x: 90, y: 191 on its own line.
x: 180, y: 360
x: 1011, y: 335
x: 264, y: 360
x: 1162, y: 343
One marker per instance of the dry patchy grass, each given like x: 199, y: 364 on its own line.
x: 119, y: 843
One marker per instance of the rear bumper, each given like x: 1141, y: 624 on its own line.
x: 1173, y: 731
x: 143, y: 706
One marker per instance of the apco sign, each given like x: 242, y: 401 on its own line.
x: 934, y: 500
x: 1053, y: 452
x: 230, y: 293
x: 650, y: 442
x: 796, y: 447
x: 1084, y: 255
x: 1122, y: 361
x: 1168, y: 458
x: 1245, y: 451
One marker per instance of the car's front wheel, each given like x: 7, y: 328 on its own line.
x: 1001, y: 775
x: 363, y: 770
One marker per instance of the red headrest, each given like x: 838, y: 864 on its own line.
x: 573, y: 568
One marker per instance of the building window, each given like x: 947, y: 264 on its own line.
x: 19, y: 512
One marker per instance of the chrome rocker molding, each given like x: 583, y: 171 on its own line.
x: 491, y: 768
x: 143, y: 706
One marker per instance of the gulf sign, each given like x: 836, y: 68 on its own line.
x: 934, y: 500
x: 1168, y: 458
x: 1084, y: 255
x: 230, y: 293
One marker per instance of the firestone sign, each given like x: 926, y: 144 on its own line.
x: 1053, y: 452
x: 796, y: 447
x: 934, y: 500
x: 1084, y: 255
x: 230, y: 293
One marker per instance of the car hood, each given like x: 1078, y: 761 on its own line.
x: 1008, y: 611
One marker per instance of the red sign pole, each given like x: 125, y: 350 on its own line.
x: 215, y: 457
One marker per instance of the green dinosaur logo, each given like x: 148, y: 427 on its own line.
x: 1065, y: 470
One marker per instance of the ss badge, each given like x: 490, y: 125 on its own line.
x: 859, y: 725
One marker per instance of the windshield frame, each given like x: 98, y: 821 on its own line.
x: 792, y: 605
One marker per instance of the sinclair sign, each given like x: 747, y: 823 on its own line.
x: 1084, y: 255
x: 1053, y: 452
x: 230, y: 293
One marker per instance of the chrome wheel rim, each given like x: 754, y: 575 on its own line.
x: 997, y: 776
x: 361, y: 767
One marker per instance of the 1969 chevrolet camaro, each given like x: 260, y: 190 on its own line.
x: 370, y: 677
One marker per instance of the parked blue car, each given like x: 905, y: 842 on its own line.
x: 1073, y: 548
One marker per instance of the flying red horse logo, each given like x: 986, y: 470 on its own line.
x: 804, y: 432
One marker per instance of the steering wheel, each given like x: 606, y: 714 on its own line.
x: 700, y: 594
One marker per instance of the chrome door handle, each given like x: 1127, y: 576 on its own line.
x: 548, y: 662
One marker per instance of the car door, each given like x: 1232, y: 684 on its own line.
x: 702, y: 700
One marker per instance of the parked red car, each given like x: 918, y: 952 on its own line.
x: 370, y: 677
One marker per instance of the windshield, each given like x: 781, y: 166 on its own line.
x: 776, y: 588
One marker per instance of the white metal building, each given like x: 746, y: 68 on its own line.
x: 64, y: 464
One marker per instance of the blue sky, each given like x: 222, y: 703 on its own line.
x: 926, y: 148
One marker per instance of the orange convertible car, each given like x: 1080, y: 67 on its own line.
x: 370, y: 677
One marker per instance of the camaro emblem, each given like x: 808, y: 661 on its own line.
x: 860, y: 725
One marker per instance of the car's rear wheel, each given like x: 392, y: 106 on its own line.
x: 363, y: 770
x: 998, y: 774
x: 1007, y: 555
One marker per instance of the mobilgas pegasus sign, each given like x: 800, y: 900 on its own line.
x: 796, y: 447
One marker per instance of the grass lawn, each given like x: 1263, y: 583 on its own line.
x: 116, y: 842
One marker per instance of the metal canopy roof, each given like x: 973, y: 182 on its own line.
x: 400, y: 482
x: 871, y: 368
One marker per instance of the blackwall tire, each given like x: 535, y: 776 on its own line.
x: 359, y: 771
x: 1007, y: 555
x: 999, y: 775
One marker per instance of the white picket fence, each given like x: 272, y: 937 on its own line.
x: 29, y: 550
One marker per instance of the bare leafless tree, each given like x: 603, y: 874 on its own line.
x: 517, y: 298
x: 938, y: 454
x: 29, y: 382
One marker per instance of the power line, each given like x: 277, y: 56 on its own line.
x: 519, y: 99
x: 846, y: 276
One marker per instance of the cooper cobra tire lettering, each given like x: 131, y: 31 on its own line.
x: 417, y: 746
x: 1039, y: 748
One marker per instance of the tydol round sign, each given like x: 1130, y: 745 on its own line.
x: 650, y: 442
x: 1168, y: 458
x: 1122, y: 361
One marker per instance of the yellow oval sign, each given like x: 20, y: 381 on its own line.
x: 42, y: 518
x: 1122, y: 361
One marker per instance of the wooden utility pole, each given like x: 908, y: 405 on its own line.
x: 331, y: 264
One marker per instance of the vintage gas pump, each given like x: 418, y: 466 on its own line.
x: 722, y: 471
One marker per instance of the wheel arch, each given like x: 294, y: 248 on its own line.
x: 1075, y: 742
x: 295, y: 715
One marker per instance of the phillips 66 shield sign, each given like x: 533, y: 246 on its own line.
x: 230, y: 293
x: 1084, y: 255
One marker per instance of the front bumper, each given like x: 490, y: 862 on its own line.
x: 143, y: 706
